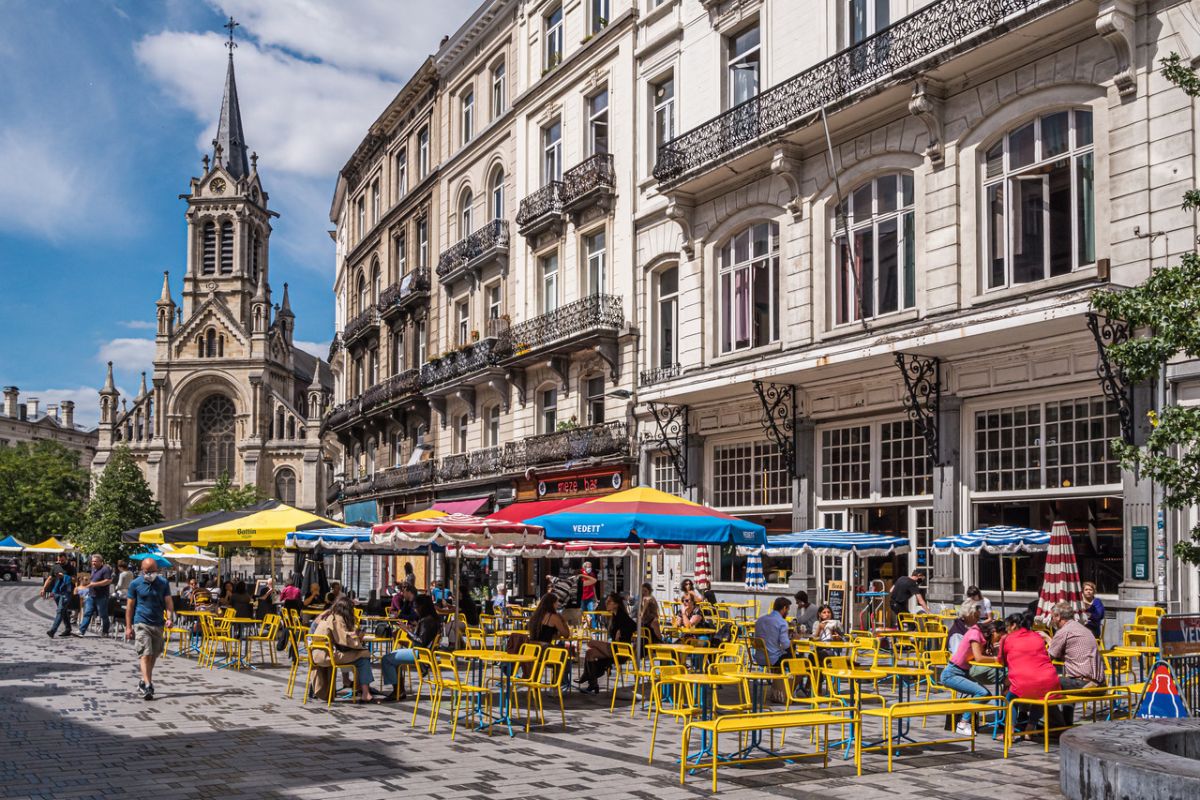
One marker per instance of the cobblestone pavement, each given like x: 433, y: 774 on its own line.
x: 73, y: 727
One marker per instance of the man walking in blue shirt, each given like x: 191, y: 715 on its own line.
x: 60, y: 583
x: 148, y: 611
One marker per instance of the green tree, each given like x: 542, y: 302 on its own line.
x: 1167, y: 308
x: 224, y: 496
x: 42, y: 491
x: 122, y: 500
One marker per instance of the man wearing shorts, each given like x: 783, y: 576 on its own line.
x: 148, y: 612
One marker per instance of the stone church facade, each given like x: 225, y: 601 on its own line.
x: 230, y: 392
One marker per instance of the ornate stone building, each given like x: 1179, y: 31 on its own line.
x: 230, y: 392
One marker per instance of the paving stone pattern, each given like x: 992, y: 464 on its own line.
x: 73, y: 727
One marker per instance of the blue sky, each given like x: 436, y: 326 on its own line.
x: 108, y: 106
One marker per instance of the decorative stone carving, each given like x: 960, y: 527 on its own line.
x: 1116, y: 21
x: 926, y: 105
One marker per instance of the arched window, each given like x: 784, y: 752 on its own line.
x: 371, y: 448
x: 749, y: 288
x: 215, y: 431
x: 210, y: 343
x: 464, y: 213
x: 226, y: 247
x: 208, y: 261
x: 285, y: 486
x: 876, y: 273
x: 291, y: 427
x: 279, y: 423
x: 666, y: 344
x: 376, y: 283
x: 363, y: 296
x: 256, y: 256
x: 497, y: 194
x: 1039, y: 207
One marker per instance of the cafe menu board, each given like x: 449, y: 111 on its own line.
x: 835, y: 596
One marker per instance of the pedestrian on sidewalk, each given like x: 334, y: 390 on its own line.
x: 148, y: 612
x: 96, y: 601
x: 60, y: 584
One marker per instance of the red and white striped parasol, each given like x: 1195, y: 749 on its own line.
x: 1061, y: 578
x: 703, y: 575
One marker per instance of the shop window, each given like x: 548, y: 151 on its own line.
x: 905, y: 469
x: 748, y: 475
x: 663, y: 475
x: 846, y: 463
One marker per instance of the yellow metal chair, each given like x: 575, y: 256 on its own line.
x: 265, y: 634
x: 452, y: 681
x: 680, y: 705
x: 214, y: 637
x: 429, y: 676
x: 625, y: 665
x: 313, y: 644
x: 743, y: 703
x: 547, y: 675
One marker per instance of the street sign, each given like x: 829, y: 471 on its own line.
x: 1140, y: 535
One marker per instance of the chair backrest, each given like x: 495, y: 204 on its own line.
x: 423, y: 657
x: 1151, y: 612
x: 934, y: 658
x: 796, y: 668
x: 402, y: 639
x: 623, y: 654
x: 554, y: 659
x: 680, y: 699
x: 836, y: 662
x: 447, y: 665
x: 269, y: 625
x: 758, y: 648
x: 230, y: 613
x: 317, y: 643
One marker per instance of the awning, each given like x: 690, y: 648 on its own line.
x: 829, y: 542
x: 471, y: 505
x: 1002, y: 539
x: 339, y: 539
x: 11, y: 544
x: 519, y: 512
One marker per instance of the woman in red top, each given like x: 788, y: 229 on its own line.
x: 1030, y: 671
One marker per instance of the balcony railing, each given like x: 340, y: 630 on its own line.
x: 927, y: 36
x: 588, y: 180
x: 410, y: 476
x: 575, y: 444
x: 359, y: 324
x: 404, y: 291
x: 335, y: 345
x: 453, y: 468
x: 333, y: 492
x: 395, y: 387
x: 596, y: 312
x: 544, y: 205
x: 344, y: 413
x: 359, y: 487
x: 475, y: 357
x: 649, y: 377
x: 488, y: 461
x: 490, y: 241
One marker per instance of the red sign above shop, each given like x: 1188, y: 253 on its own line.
x: 592, y: 483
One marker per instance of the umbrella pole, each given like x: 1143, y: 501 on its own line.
x: 1001, y: 586
x: 641, y: 577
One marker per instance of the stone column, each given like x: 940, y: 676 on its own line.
x: 1138, y: 588
x: 946, y: 583
x: 804, y: 504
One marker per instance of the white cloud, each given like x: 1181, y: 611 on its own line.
x: 129, y: 356
x: 139, y: 324
x: 38, y: 158
x: 86, y: 399
x: 318, y: 349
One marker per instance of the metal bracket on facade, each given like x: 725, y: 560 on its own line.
x: 923, y: 382
x: 779, y: 419
x: 1107, y: 332
x: 672, y: 424
x: 516, y: 379
x: 611, y: 355
x: 561, y: 367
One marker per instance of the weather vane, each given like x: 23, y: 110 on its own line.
x: 230, y: 26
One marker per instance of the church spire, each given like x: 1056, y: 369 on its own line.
x: 230, y: 145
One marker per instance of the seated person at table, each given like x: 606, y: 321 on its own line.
x: 985, y: 605
x: 1030, y: 671
x: 425, y: 633
x: 227, y: 594
x: 313, y: 598
x: 404, y: 604
x: 500, y: 600
x: 468, y: 607
x: 621, y: 628
x: 1074, y: 645
x: 546, y: 623
x: 969, y: 615
x: 265, y: 599
x: 806, y: 613
x: 441, y: 595
x: 689, y: 615
x: 956, y: 674
x: 289, y: 596
x: 828, y: 628
x: 649, y: 612
x: 1094, y: 609
x: 337, y: 622
x: 240, y: 601
x: 686, y: 587
x: 374, y: 607
x: 189, y: 592
x: 772, y: 628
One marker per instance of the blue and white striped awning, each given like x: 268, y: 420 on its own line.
x: 339, y: 539
x: 829, y: 542
x: 1002, y: 539
x: 756, y: 581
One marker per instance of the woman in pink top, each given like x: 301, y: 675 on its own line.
x: 1030, y: 671
x: 955, y: 675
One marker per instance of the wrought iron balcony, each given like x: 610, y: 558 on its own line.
x: 397, y: 386
x: 915, y: 43
x: 344, y: 413
x: 412, y: 287
x: 576, y: 444
x: 334, y: 346
x: 358, y: 488
x: 333, y: 492
x: 541, y: 210
x: 410, y: 476
x: 359, y: 325
x: 488, y: 461
x: 475, y: 357
x: 649, y: 377
x: 589, y: 183
x: 453, y: 468
x: 488, y: 244
x: 595, y: 314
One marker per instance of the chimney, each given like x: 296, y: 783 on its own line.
x: 52, y: 411
x: 68, y: 414
x: 31, y: 406
x: 11, y: 393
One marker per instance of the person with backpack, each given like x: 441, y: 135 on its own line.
x: 60, y: 584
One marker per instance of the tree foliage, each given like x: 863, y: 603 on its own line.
x: 42, y: 491
x: 1167, y: 307
x: 224, y: 496
x: 122, y: 500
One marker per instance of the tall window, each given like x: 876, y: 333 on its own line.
x: 226, y: 247
x: 749, y: 288
x: 375, y: 201
x: 598, y: 17
x: 594, y: 395
x: 422, y: 243
x: 554, y: 38
x: 285, y: 486
x: 376, y: 282
x: 497, y: 194
x: 548, y: 411
x: 598, y: 123
x: 421, y: 343
x: 743, y: 56
x: 499, y: 90
x: 361, y: 209
x: 846, y: 463
x: 552, y: 152
x: 360, y: 376
x: 549, y: 270
x: 493, y: 426
x: 460, y: 434
x: 1039, y: 185
x: 468, y: 116
x: 209, y: 256
x: 373, y: 366
x: 905, y: 469
x: 663, y: 103
x: 422, y: 153
x: 364, y: 293
x: 398, y: 361
x: 597, y: 279
x: 464, y: 213
x: 401, y: 254
x: 462, y: 322
x: 879, y: 277
x: 215, y: 438
x: 867, y: 17
x: 256, y: 252
x: 493, y: 301
x: 749, y: 474
x: 668, y: 314
x: 401, y: 173
x: 663, y: 475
